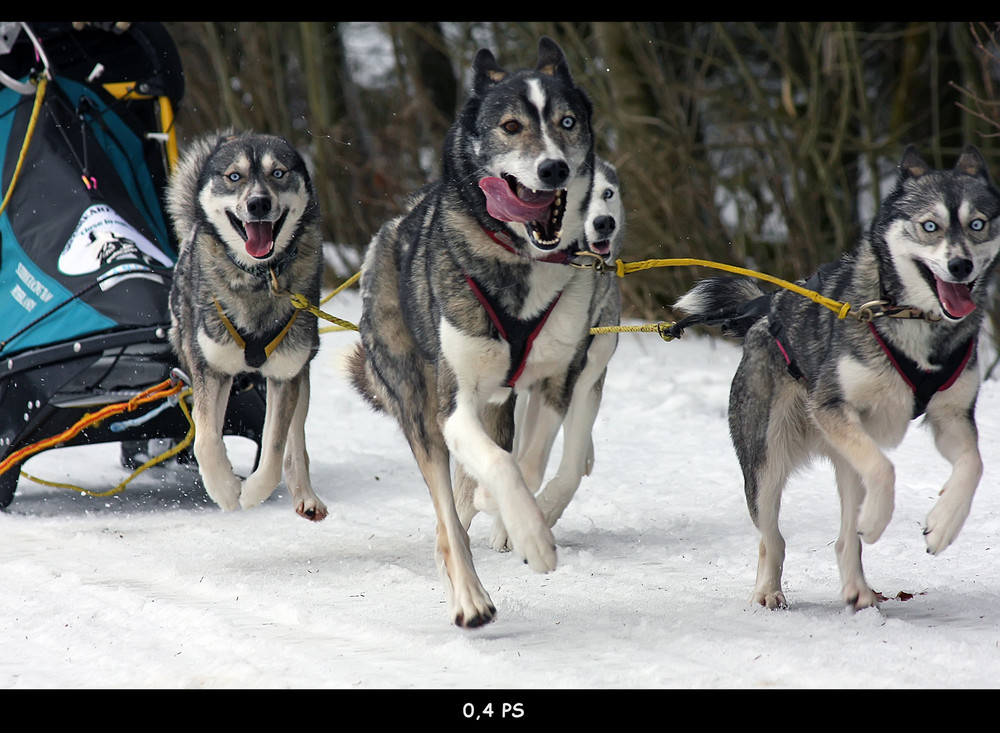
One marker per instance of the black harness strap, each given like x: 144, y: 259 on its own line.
x: 519, y: 334
x: 925, y: 384
x: 256, y: 349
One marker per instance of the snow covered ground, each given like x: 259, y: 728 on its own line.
x: 156, y: 587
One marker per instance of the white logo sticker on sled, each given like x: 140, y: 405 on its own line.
x: 102, y: 238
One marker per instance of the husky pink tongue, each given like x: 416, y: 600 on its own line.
x: 502, y: 204
x: 260, y: 241
x: 955, y: 298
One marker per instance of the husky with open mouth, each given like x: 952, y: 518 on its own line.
x: 537, y: 423
x: 247, y: 219
x: 469, y: 297
x: 813, y: 384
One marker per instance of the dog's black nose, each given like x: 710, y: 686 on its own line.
x: 604, y: 225
x: 959, y: 267
x: 259, y: 206
x: 553, y: 172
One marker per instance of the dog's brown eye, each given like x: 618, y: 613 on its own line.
x: 511, y: 126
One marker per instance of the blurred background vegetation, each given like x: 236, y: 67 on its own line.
x: 765, y: 145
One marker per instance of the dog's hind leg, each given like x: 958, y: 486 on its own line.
x: 855, y: 590
x: 281, y: 403
x: 210, y: 395
x: 956, y: 437
x: 304, y: 499
x: 763, y: 488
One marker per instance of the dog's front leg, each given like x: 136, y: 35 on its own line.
x: 956, y: 437
x: 498, y: 474
x: 282, y: 396
x: 211, y: 395
x: 304, y: 499
x: 469, y: 604
x: 841, y: 426
x: 578, y: 450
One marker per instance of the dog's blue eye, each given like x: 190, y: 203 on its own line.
x: 930, y: 226
x: 234, y: 176
x: 977, y: 225
x: 608, y: 193
x: 277, y: 173
x: 568, y: 122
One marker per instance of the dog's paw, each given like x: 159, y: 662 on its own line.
x: 223, y: 489
x: 499, y: 539
x: 945, y: 520
x: 469, y: 604
x: 857, y: 595
x: 474, y: 612
x: 256, y: 489
x: 874, y: 516
x: 311, y: 508
x: 538, y: 548
x: 769, y: 599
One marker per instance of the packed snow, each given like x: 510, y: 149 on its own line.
x: 156, y: 587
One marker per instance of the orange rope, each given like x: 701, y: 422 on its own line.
x: 160, y: 391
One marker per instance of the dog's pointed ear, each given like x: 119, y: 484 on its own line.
x: 972, y: 163
x: 486, y: 71
x: 551, y: 59
x: 912, y: 165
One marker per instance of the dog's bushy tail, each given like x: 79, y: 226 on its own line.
x: 355, y: 364
x: 733, y: 304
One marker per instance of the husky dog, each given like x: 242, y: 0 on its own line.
x: 247, y: 219
x: 537, y: 420
x: 810, y: 384
x: 468, y: 297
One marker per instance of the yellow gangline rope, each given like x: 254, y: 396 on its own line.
x: 623, y: 268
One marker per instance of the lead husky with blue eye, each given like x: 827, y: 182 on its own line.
x: 469, y: 296
x: 247, y: 220
x: 812, y: 384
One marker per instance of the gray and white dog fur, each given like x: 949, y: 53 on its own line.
x: 931, y: 247
x: 431, y: 356
x: 536, y: 422
x: 246, y: 215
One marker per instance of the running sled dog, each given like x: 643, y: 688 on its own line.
x: 537, y: 423
x: 469, y: 297
x: 810, y: 384
x: 247, y: 219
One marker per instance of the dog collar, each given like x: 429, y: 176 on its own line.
x: 256, y: 349
x: 269, y: 270
x: 560, y: 257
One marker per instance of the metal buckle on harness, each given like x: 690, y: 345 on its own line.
x: 597, y: 265
x: 867, y: 312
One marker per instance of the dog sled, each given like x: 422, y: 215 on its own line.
x: 86, y: 257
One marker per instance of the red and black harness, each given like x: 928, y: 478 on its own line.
x: 923, y: 383
x: 520, y: 334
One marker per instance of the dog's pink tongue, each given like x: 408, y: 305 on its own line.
x: 502, y: 204
x: 259, y: 240
x: 955, y: 298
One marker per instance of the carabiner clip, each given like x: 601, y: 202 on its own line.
x: 598, y: 264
